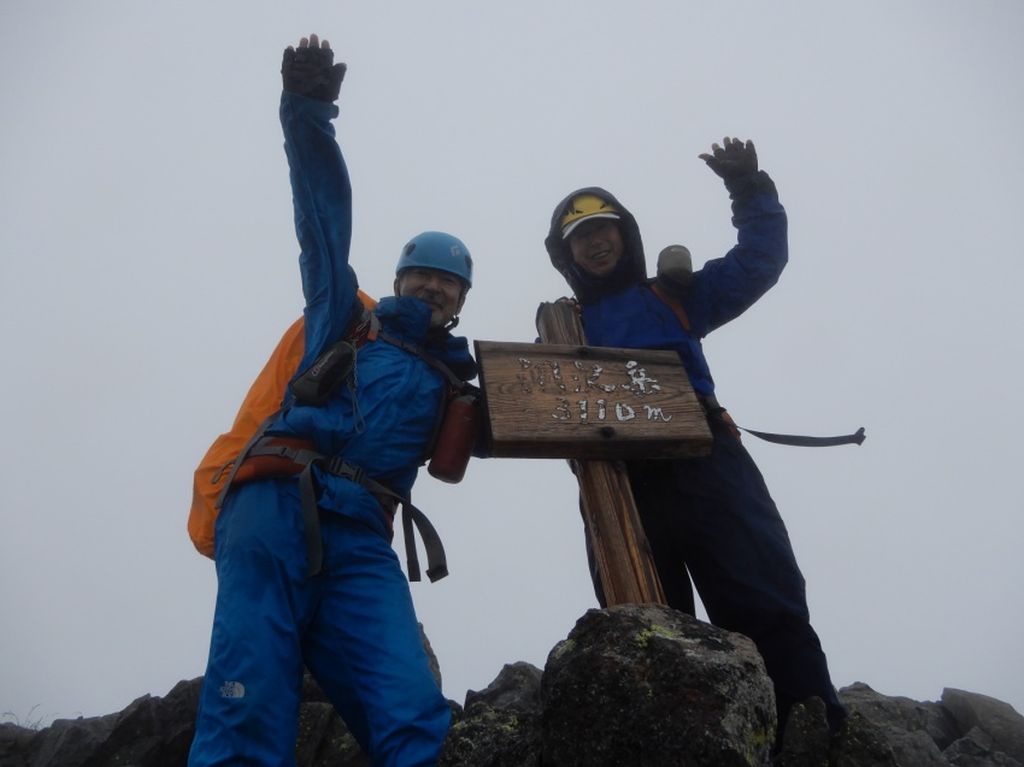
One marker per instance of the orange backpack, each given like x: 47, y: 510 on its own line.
x: 264, y: 398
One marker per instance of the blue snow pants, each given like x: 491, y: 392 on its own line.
x: 353, y: 626
x: 712, y: 519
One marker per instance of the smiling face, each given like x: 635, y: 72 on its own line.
x: 596, y: 246
x: 442, y: 291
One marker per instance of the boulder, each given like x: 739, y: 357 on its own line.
x: 645, y: 684
x: 806, y: 739
x: 999, y: 720
x: 500, y: 725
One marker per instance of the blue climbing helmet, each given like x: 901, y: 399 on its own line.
x: 437, y: 250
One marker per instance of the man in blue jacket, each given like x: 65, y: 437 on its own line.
x: 711, y: 518
x: 305, y: 570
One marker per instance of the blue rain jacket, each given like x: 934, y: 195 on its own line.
x: 386, y: 425
x: 621, y: 311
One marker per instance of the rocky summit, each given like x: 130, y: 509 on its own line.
x: 631, y: 685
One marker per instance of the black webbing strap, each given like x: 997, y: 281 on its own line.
x: 801, y: 441
x: 307, y: 494
x: 311, y: 521
x: 456, y: 382
x: 715, y: 410
x: 437, y: 564
x: 240, y: 459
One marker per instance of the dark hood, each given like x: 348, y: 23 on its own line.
x: 629, y: 271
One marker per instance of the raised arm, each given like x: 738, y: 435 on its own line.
x: 321, y: 193
x: 726, y: 287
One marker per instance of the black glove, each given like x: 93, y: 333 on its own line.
x: 733, y: 160
x: 310, y: 71
x: 736, y: 164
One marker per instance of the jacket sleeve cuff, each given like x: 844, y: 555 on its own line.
x: 744, y: 187
x: 298, y: 105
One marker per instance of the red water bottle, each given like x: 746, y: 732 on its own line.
x: 455, y: 439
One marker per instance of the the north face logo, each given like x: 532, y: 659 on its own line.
x: 232, y: 690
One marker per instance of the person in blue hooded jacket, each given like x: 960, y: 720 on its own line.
x: 313, y: 581
x: 709, y: 519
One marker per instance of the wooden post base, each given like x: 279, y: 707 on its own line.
x: 622, y: 553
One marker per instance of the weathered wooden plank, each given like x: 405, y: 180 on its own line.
x: 573, y: 401
x: 621, y: 551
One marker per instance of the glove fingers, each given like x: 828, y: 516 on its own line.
x: 310, y: 70
x: 337, y: 75
x: 752, y: 152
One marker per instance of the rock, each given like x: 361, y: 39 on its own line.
x: 15, y: 745
x: 324, y: 739
x: 975, y: 749
x: 516, y: 687
x: 806, y: 737
x: 902, y: 713
x: 153, y: 731
x: 1000, y: 720
x: 65, y: 743
x: 889, y: 731
x: 644, y: 684
x: 863, y: 742
x: 500, y: 726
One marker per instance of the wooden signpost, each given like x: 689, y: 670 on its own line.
x: 572, y: 401
x: 563, y: 399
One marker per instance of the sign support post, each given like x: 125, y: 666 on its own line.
x: 620, y: 547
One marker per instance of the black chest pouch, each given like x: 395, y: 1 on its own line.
x: 332, y: 368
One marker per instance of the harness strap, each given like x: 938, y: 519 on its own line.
x: 437, y: 564
x: 796, y: 440
x: 292, y: 458
x: 715, y: 410
x: 453, y: 380
x: 672, y: 303
x: 311, y: 521
x: 240, y: 459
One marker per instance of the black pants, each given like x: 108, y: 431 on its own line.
x: 712, y: 519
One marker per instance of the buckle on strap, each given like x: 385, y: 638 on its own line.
x: 274, y: 451
x: 341, y: 468
x: 297, y: 452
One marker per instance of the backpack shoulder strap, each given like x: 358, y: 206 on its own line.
x: 671, y: 302
x: 449, y: 375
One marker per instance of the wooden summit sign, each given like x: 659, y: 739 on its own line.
x: 571, y: 401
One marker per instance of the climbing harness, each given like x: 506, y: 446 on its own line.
x: 279, y: 456
x: 265, y: 456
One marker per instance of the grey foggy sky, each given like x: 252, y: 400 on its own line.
x: 148, y: 266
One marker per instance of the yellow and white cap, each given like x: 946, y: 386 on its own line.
x: 583, y: 208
